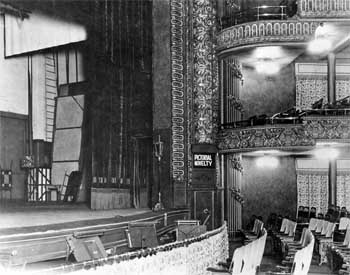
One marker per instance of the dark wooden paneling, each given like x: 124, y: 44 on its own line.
x: 12, y: 149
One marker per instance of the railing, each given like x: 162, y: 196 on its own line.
x: 253, y: 14
x: 191, y: 256
x: 39, y: 185
x: 266, y: 31
x: 324, y: 8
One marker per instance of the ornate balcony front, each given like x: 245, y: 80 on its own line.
x: 288, y: 31
x: 285, y: 136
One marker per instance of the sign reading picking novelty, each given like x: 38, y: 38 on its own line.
x: 203, y: 160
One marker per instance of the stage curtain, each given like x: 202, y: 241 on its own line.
x: 343, y: 189
x: 313, y: 190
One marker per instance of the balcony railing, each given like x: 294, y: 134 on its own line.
x: 253, y: 14
x: 266, y: 31
x: 324, y: 8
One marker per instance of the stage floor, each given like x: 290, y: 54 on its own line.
x: 41, y: 216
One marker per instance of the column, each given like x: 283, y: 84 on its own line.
x: 331, y: 78
x: 332, y: 182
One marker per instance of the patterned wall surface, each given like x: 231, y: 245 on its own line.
x: 313, y: 189
x: 311, y: 88
x: 269, y: 190
x: 205, y: 74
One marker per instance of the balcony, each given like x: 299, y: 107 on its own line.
x: 295, y: 133
x: 289, y: 25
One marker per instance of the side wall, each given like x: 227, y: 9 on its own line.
x: 268, y: 94
x: 268, y: 190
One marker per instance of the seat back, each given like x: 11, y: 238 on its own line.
x: 346, y: 241
x: 297, y: 267
x: 312, y: 224
x: 292, y: 228
x: 343, y: 223
x: 302, y: 240
x: 237, y: 262
x: 330, y: 229
x: 308, y: 253
x: 319, y: 225
x: 284, y: 225
x: 324, y: 227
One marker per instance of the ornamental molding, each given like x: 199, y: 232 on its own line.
x: 251, y: 33
x: 178, y: 119
x: 304, y: 135
x: 252, y: 138
x: 320, y: 69
x: 324, y: 8
x: 328, y: 128
x: 205, y: 72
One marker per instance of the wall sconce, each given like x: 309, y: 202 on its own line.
x: 158, y: 148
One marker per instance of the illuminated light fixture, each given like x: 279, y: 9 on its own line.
x: 267, y: 162
x: 325, y: 35
x: 319, y: 46
x: 269, y: 52
x: 326, y: 153
x: 267, y: 67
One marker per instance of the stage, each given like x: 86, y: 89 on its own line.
x: 30, y: 234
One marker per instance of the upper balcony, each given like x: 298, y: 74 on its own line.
x: 292, y: 23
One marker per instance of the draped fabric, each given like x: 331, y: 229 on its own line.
x: 191, y: 256
x: 312, y: 189
x: 343, y: 190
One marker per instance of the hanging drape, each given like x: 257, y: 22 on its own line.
x: 312, y: 189
x: 343, y: 189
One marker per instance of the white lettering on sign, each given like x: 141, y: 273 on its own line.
x: 203, y: 160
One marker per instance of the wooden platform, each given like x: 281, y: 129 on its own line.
x: 36, y: 243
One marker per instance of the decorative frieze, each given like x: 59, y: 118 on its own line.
x: 205, y: 73
x: 265, y: 32
x: 178, y: 90
x: 247, y: 139
x: 285, y: 136
x: 328, y: 128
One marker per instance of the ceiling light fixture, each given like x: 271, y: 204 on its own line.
x: 326, y: 153
x: 267, y: 162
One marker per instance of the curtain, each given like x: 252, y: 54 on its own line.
x: 343, y: 189
x: 312, y: 189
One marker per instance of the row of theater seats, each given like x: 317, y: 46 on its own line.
x: 339, y: 251
x: 295, y: 115
x: 247, y: 258
x: 297, y: 253
x: 326, y: 247
x: 333, y: 214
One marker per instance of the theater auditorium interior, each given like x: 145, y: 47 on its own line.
x: 175, y: 137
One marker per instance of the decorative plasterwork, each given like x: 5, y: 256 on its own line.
x: 246, y: 139
x: 328, y: 128
x: 285, y: 136
x: 265, y: 32
x: 324, y: 8
x: 205, y: 74
x: 178, y: 127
